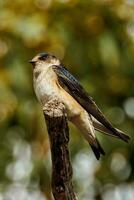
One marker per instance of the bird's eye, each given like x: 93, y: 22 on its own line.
x: 42, y: 58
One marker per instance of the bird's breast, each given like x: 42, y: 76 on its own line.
x: 45, y: 86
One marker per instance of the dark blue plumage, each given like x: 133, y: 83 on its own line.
x: 73, y: 87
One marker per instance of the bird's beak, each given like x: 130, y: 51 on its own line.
x: 32, y: 62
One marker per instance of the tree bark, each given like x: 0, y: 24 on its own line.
x: 58, y: 132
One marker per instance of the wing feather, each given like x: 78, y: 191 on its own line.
x: 72, y: 86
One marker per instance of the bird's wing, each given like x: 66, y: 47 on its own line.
x: 73, y: 87
x: 101, y: 128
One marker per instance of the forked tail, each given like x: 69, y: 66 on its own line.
x: 97, y: 149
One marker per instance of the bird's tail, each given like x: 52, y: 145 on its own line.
x: 97, y: 149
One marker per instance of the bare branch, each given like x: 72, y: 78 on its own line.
x: 57, y: 126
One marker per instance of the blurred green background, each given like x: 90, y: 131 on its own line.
x: 95, y: 40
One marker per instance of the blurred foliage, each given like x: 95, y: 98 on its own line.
x: 95, y: 40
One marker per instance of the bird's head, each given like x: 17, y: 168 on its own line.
x: 43, y: 60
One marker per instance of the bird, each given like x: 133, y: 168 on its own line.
x: 52, y: 80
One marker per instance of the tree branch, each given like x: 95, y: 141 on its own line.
x: 57, y: 126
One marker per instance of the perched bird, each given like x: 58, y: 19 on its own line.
x: 53, y: 81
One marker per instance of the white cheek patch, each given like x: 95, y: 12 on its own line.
x: 56, y: 62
